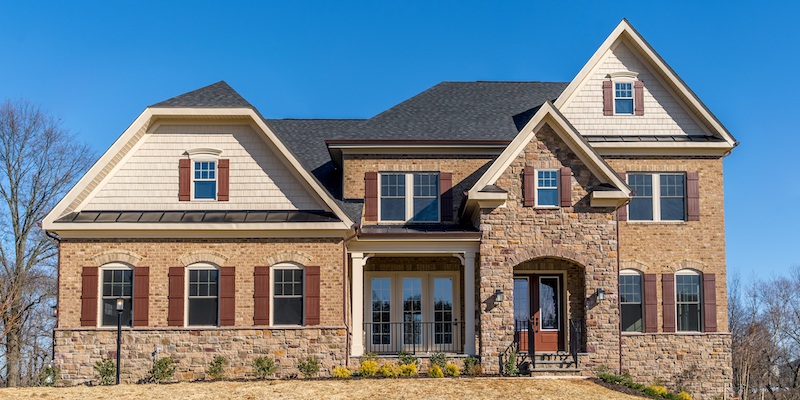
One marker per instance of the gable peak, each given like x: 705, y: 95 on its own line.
x: 218, y: 94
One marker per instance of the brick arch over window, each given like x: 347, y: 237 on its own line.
x: 636, y: 265
x: 207, y: 256
x: 119, y: 256
x: 291, y: 256
x: 539, y: 252
x: 688, y: 264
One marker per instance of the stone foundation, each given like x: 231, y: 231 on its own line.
x: 700, y: 362
x: 77, y: 350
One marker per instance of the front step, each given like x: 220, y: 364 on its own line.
x: 545, y: 371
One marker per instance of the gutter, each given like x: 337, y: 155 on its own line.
x: 357, y: 229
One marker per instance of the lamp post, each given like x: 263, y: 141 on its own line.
x: 120, y: 306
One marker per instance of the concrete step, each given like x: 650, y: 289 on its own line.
x: 554, y: 371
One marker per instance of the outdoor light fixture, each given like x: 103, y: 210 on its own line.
x: 498, y: 296
x: 601, y: 294
x: 54, y: 311
x: 120, y: 307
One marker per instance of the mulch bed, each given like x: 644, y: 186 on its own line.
x: 618, y: 388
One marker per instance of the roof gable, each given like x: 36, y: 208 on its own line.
x: 219, y: 94
x: 624, y: 34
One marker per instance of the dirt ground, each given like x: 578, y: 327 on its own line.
x: 457, y: 389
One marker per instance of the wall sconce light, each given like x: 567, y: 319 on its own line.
x: 601, y: 294
x: 498, y: 296
x: 54, y: 311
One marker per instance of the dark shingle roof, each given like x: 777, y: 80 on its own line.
x: 219, y: 94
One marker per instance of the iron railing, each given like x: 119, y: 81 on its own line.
x: 413, y: 337
x: 524, y: 335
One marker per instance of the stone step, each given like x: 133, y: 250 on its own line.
x: 554, y: 371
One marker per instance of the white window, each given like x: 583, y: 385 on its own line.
x: 688, y: 296
x: 204, y: 184
x: 287, y: 282
x: 630, y: 290
x: 409, y: 197
x: 116, y: 283
x: 202, y: 290
x: 623, y: 98
x: 547, y: 188
x: 412, y: 309
x: 657, y: 197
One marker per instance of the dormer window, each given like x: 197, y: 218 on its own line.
x: 205, y: 180
x: 409, y: 197
x: 203, y: 176
x: 623, y: 94
x: 623, y: 98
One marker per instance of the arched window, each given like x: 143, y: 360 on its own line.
x: 202, y: 290
x: 688, y: 296
x: 116, y: 281
x: 288, y: 294
x: 630, y: 289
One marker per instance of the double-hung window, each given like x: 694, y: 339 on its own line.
x: 409, y: 197
x: 547, y: 188
x: 657, y: 197
x: 688, y: 296
x: 203, y: 295
x: 117, y: 283
x: 205, y: 180
x: 630, y: 290
x: 287, y: 298
x: 623, y: 98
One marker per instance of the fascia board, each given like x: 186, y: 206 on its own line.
x: 625, y: 28
x: 96, y: 169
x: 136, y: 226
x: 416, y: 246
x: 246, y: 232
x: 608, y: 199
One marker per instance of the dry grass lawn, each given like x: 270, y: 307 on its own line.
x: 460, y: 389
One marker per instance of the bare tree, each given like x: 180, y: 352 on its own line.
x: 39, y: 162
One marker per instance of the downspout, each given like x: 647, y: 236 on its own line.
x: 357, y: 229
x: 619, y: 302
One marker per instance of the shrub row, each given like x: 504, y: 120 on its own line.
x: 656, y: 390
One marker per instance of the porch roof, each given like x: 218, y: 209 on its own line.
x: 419, y: 231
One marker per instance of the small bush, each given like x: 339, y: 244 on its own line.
x: 451, y: 369
x: 368, y: 368
x: 510, y: 365
x: 650, y: 392
x: 263, y: 367
x: 389, y: 370
x: 407, y: 358
x: 601, y: 369
x: 610, y: 378
x: 49, y: 375
x: 671, y: 396
x: 163, y: 370
x: 106, y: 371
x: 659, y: 389
x: 684, y: 396
x: 435, y: 372
x: 308, y: 366
x: 475, y: 370
x: 469, y: 362
x: 368, y: 356
x: 216, y: 368
x: 439, y: 359
x: 408, y: 369
x: 342, y: 372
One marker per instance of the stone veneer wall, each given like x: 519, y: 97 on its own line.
x: 699, y: 362
x: 580, y: 234
x: 77, y: 350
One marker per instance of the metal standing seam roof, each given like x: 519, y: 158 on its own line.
x: 257, y: 216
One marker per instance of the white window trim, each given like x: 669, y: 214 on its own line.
x: 558, y: 188
x: 701, y: 324
x: 656, y: 196
x: 272, y: 270
x: 635, y: 272
x: 199, y: 266
x: 409, y: 198
x: 614, y: 96
x: 396, y: 299
x: 107, y: 267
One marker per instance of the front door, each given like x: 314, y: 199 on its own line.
x: 539, y: 297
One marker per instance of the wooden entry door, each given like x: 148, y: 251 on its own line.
x: 540, y: 298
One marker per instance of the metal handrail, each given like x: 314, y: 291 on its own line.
x: 413, y: 337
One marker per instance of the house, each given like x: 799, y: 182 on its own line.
x: 581, y: 221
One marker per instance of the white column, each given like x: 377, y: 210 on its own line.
x: 469, y: 299
x: 357, y: 330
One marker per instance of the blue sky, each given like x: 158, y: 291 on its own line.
x: 97, y: 65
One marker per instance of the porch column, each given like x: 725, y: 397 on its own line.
x: 469, y: 300
x: 357, y: 330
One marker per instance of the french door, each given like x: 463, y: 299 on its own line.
x: 539, y: 298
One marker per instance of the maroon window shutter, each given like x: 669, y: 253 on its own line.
x: 175, y: 317
x: 312, y: 295
x: 709, y: 303
x: 227, y: 296
x: 692, y: 196
x: 445, y: 188
x: 566, y: 186
x: 261, y: 296
x: 608, y: 99
x: 141, y: 296
x: 622, y: 212
x: 223, y: 180
x: 668, y: 291
x: 638, y: 98
x: 529, y: 187
x: 184, y: 179
x: 371, y: 196
x: 650, y: 303
x: 89, y: 296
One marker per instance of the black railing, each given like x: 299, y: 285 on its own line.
x: 413, y: 337
x: 576, y: 338
x: 524, y: 335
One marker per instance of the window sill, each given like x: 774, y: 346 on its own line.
x: 681, y: 333
x: 657, y: 222
x: 546, y: 207
x: 204, y: 200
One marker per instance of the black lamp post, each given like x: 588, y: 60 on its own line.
x: 120, y: 306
